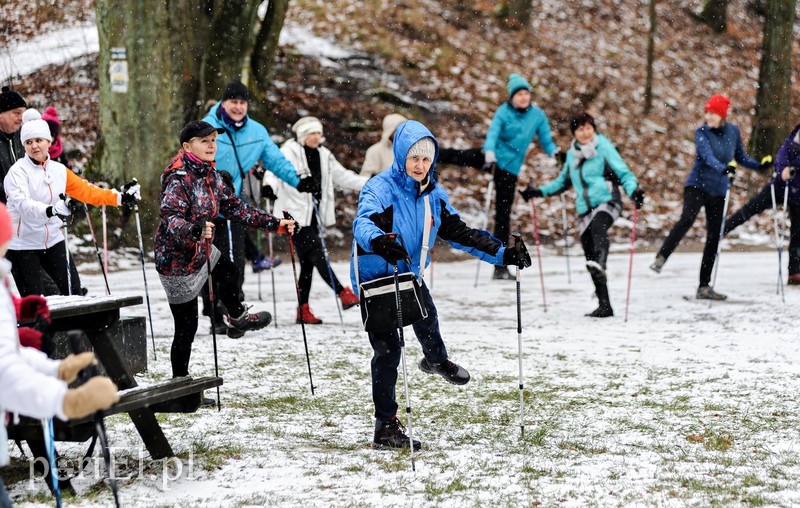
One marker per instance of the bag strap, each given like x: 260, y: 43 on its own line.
x: 426, y: 233
x: 355, y: 262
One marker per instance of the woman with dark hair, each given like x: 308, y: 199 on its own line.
x: 594, y: 167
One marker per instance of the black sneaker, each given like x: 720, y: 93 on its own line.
x: 603, y: 311
x: 450, y: 371
x: 502, y: 273
x: 247, y: 322
x: 392, y: 435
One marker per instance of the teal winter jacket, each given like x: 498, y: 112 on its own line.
x: 592, y: 180
x: 512, y: 131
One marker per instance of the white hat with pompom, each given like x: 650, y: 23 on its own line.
x: 34, y: 127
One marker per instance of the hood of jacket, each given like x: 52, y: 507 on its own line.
x: 390, y: 123
x: 408, y: 133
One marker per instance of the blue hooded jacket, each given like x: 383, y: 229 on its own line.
x: 715, y: 149
x: 253, y: 144
x: 391, y: 202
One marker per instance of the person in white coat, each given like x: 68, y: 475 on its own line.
x: 381, y: 155
x: 32, y: 384
x: 311, y: 159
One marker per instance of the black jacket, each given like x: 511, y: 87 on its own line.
x: 11, y: 149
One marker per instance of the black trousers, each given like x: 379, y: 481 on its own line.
x: 310, y: 254
x: 763, y: 201
x: 595, y: 239
x: 693, y: 200
x: 225, y: 277
x: 239, y: 235
x: 471, y: 157
x: 27, y: 267
x: 505, y: 185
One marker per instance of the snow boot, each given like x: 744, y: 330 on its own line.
x: 502, y: 273
x: 450, y: 371
x: 222, y: 328
x: 794, y: 280
x: 248, y: 322
x: 307, y: 316
x: 707, y: 293
x: 348, y: 298
x: 264, y: 263
x: 598, y: 274
x: 392, y: 435
x: 658, y: 264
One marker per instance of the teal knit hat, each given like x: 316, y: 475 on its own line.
x: 517, y: 83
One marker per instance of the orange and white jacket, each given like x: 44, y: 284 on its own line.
x: 32, y: 187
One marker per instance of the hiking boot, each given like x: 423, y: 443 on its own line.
x: 794, y: 279
x: 450, y: 371
x: 264, y: 263
x: 247, y: 322
x: 707, y: 293
x: 502, y: 273
x: 604, y: 310
x: 392, y: 435
x: 348, y: 298
x: 304, y: 313
x: 658, y: 264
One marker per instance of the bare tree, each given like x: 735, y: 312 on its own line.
x: 651, y: 48
x: 715, y: 14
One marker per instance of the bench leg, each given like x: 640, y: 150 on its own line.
x: 154, y: 439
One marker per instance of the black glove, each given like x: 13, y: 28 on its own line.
x: 766, y: 163
x: 258, y: 171
x: 730, y: 170
x: 386, y: 246
x: 488, y: 167
x: 227, y: 180
x: 130, y: 193
x: 517, y: 254
x: 268, y: 193
x: 560, y: 157
x: 75, y: 206
x: 638, y: 198
x: 309, y: 184
x: 530, y: 192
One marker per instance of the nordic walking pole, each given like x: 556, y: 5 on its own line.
x: 721, y: 232
x: 778, y: 239
x: 144, y: 276
x: 565, y: 229
x: 258, y: 247
x: 516, y: 237
x: 538, y: 251
x: 96, y: 247
x: 403, y: 358
x: 630, y: 264
x: 488, y: 202
x: 286, y: 215
x: 64, y: 198
x: 321, y: 232
x: 207, y: 243
x: 272, y: 274
x: 50, y: 447
x: 230, y: 241
x: 783, y: 215
x: 105, y: 240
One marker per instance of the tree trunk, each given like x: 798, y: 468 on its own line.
x: 266, y: 45
x: 772, y: 119
x: 518, y: 12
x: 651, y: 45
x: 714, y: 14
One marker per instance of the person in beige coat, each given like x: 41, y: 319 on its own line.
x: 380, y: 155
x: 313, y: 210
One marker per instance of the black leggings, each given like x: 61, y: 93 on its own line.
x: 311, y: 255
x: 225, y: 276
x: 27, y: 267
x: 763, y: 201
x: 595, y: 239
x: 694, y: 199
x: 505, y: 185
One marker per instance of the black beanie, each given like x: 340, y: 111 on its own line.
x: 10, y: 99
x: 236, y: 90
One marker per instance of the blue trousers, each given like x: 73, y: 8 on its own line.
x: 386, y: 358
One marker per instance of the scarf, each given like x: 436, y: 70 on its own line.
x: 586, y: 151
x: 56, y: 148
x: 230, y: 121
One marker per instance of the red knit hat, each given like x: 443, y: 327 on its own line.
x: 718, y: 104
x: 6, y: 229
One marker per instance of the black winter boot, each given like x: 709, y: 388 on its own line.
x: 392, y: 435
x: 450, y: 371
x: 502, y: 273
x: 604, y: 309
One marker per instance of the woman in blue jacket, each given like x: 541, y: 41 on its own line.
x: 395, y: 201
x: 786, y: 163
x: 595, y: 168
x: 514, y: 126
x: 719, y: 148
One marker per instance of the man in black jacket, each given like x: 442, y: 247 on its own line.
x: 12, y: 105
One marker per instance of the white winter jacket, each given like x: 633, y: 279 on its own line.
x: 29, y: 383
x: 31, y: 188
x: 301, y: 204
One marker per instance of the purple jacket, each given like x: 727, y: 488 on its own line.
x: 788, y: 155
x: 193, y: 193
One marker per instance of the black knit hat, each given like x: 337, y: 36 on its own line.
x: 197, y: 129
x: 236, y: 90
x: 581, y: 119
x: 10, y: 99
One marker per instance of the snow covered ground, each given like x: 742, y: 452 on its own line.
x: 55, y: 47
x: 682, y: 405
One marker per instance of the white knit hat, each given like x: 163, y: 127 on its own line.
x: 424, y: 148
x: 34, y: 127
x: 305, y: 126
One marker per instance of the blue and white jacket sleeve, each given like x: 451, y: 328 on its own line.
x: 274, y: 160
x: 472, y: 241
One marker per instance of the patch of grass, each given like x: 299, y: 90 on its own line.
x: 435, y: 489
x: 718, y: 443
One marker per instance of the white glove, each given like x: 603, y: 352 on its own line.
x: 60, y: 208
x: 489, y: 157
